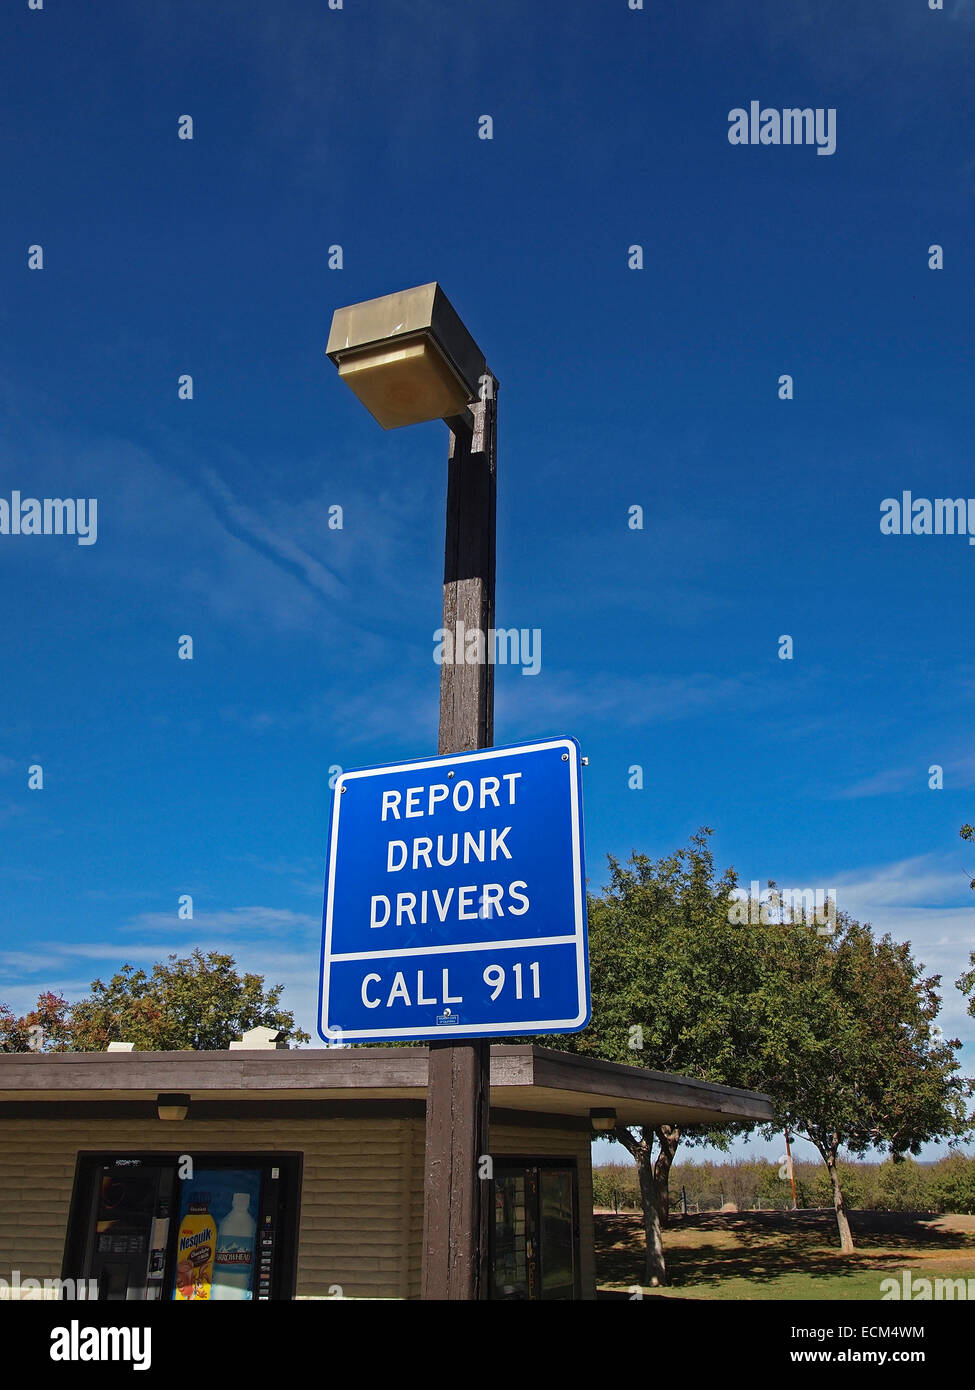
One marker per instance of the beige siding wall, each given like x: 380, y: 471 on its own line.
x: 414, y: 1231
x: 355, y: 1191
x: 361, y: 1223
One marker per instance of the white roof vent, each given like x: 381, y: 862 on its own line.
x: 120, y: 1047
x: 263, y: 1039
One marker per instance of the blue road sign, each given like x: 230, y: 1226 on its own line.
x: 455, y: 900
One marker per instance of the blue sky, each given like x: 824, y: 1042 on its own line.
x: 658, y: 387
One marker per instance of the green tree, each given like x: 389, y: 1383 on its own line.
x: 696, y: 1180
x: 952, y: 1184
x: 46, y: 1028
x: 614, y: 1185
x: 835, y: 1026
x: 196, y: 1004
x: 669, y: 975
x: 966, y: 983
x: 858, y: 1182
x: 903, y: 1186
x: 848, y: 1054
x: 967, y: 832
x: 776, y: 1191
x: 199, y: 1003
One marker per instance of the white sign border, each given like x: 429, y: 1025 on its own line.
x: 339, y: 1035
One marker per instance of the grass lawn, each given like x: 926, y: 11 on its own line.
x: 783, y: 1255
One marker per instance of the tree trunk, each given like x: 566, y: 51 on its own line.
x: 669, y: 1138
x: 842, y: 1220
x: 656, y: 1266
x: 642, y: 1151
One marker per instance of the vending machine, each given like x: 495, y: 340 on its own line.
x: 535, y: 1230
x: 191, y: 1228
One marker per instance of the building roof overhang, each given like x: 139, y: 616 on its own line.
x: 523, y: 1078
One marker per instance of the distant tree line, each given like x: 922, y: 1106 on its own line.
x: 753, y: 1184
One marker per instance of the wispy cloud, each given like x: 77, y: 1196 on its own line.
x: 279, y: 546
x: 175, y: 530
x: 924, y: 900
x: 959, y: 772
x: 925, y: 880
x: 559, y: 695
x: 270, y: 921
x: 276, y: 943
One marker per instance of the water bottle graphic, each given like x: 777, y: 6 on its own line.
x: 233, y: 1267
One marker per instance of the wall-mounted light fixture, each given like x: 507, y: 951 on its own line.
x: 602, y: 1120
x: 172, y: 1105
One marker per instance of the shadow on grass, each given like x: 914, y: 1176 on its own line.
x: 763, y: 1247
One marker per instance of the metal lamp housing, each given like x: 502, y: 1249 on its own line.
x: 172, y: 1105
x: 407, y: 356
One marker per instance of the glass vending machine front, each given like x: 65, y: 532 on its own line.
x: 534, y: 1230
x: 145, y: 1227
x: 130, y: 1230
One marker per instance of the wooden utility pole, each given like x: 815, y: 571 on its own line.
x: 455, y: 1206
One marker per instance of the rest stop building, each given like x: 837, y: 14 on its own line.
x: 328, y: 1146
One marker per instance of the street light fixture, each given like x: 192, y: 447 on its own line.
x: 409, y: 358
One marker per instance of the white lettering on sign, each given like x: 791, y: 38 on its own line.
x: 471, y: 846
x: 417, y: 908
x: 399, y: 990
x: 423, y: 801
x: 376, y: 993
x: 464, y: 903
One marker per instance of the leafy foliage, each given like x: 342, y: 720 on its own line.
x: 668, y: 971
x: 847, y: 1050
x: 615, y: 1185
x: 194, y: 1004
x: 836, y: 1027
x: 952, y: 1184
x: 670, y: 974
x: 967, y: 832
x: 752, y: 1183
x: 966, y: 982
x: 45, y: 1028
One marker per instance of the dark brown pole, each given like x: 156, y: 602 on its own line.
x: 455, y: 1205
